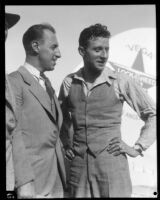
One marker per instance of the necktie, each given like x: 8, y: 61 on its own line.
x: 49, y: 88
x: 50, y: 92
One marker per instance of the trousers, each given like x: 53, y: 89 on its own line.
x: 102, y: 176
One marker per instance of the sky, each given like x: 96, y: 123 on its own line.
x: 69, y: 21
x: 131, y: 26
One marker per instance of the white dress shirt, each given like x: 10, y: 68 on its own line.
x: 35, y: 73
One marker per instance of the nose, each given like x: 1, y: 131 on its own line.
x: 58, y: 53
x: 104, y: 54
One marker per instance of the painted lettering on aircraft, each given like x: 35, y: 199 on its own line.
x: 137, y: 48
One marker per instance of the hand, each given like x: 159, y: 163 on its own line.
x: 117, y: 146
x: 44, y: 197
x: 69, y: 155
x: 26, y: 191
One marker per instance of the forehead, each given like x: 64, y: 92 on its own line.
x: 49, y: 37
x: 96, y: 41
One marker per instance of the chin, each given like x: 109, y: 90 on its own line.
x: 51, y: 68
x: 100, y: 68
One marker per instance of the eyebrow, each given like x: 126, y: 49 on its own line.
x: 100, y: 47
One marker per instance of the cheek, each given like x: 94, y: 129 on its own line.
x: 45, y: 54
x: 91, y: 57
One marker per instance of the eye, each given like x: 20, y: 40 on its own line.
x: 97, y: 49
x: 54, y: 47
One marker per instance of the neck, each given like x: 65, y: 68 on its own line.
x: 32, y: 60
x: 90, y: 75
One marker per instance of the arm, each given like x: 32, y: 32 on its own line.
x: 144, y: 106
x: 24, y: 175
x: 140, y: 101
x: 66, y: 134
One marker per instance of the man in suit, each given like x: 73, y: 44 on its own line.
x: 19, y: 174
x: 42, y: 117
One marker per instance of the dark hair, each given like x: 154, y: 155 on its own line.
x: 35, y: 32
x: 93, y: 31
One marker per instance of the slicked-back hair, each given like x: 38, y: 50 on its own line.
x: 35, y: 32
x: 97, y: 30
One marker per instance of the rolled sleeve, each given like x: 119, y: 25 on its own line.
x: 144, y: 106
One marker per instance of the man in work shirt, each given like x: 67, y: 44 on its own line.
x: 92, y: 100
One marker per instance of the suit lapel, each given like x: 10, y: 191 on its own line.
x: 37, y: 91
x: 59, y: 112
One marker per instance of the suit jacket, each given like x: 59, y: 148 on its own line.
x: 18, y: 166
x: 40, y: 130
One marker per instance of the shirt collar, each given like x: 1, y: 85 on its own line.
x: 32, y: 69
x: 105, y: 76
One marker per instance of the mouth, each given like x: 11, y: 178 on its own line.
x: 54, y: 62
x: 101, y: 62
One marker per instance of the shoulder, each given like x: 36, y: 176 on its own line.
x: 14, y: 75
x: 123, y: 82
x: 123, y: 79
x: 69, y: 77
x: 67, y: 81
x: 114, y: 74
x: 122, y: 76
x: 14, y: 78
x: 15, y: 81
x: 65, y: 86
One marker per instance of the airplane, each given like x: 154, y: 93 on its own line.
x: 136, y: 72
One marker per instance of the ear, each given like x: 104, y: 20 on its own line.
x: 81, y: 51
x: 35, y: 46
